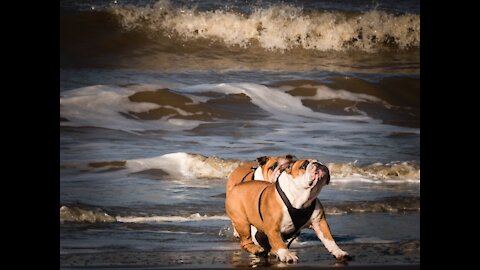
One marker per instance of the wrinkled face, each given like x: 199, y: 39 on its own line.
x: 274, y: 166
x: 308, y: 173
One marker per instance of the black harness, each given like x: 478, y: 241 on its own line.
x: 299, y: 216
x: 250, y: 172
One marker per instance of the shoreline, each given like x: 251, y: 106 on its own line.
x: 366, y: 256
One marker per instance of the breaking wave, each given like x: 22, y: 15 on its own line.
x: 167, y: 107
x: 198, y: 166
x: 278, y: 27
x: 77, y: 214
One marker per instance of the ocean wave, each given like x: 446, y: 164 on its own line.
x: 278, y: 27
x: 186, y: 165
x: 394, y: 171
x: 159, y: 219
x: 109, y: 107
x: 323, y: 92
x: 156, y: 107
x: 199, y: 166
x: 77, y: 214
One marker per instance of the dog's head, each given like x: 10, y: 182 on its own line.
x: 272, y: 167
x: 308, y: 173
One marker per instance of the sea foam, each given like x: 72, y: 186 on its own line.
x: 278, y: 27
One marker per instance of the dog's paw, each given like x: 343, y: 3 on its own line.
x: 284, y: 255
x: 342, y: 255
x: 254, y: 249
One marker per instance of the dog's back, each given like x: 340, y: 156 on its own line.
x: 243, y: 173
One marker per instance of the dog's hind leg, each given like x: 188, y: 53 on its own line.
x: 246, y: 242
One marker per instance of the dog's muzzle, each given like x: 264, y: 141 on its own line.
x: 323, y: 171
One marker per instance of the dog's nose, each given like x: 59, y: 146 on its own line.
x: 321, y: 166
x: 323, y: 171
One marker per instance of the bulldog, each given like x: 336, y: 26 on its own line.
x: 266, y: 169
x: 280, y: 210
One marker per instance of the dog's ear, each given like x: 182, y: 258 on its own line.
x: 288, y: 167
x: 283, y: 166
x: 274, y: 165
x: 262, y: 160
x: 290, y: 157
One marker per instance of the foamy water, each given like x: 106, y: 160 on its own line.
x: 112, y: 106
x: 279, y: 27
x: 193, y: 217
x: 102, y: 106
x: 183, y: 165
x: 105, y: 106
x: 198, y: 166
x: 78, y: 214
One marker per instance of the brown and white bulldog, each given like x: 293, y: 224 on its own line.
x: 266, y: 169
x: 281, y: 209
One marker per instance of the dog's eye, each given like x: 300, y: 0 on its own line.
x: 273, y: 166
x: 304, y: 165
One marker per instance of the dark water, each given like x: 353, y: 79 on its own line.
x: 159, y: 101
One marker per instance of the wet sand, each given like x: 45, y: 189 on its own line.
x: 405, y: 255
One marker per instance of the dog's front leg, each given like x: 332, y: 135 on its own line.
x: 323, y: 233
x: 279, y: 248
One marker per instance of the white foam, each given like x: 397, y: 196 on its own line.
x: 336, y: 213
x: 361, y: 240
x: 75, y: 214
x: 370, y: 240
x: 161, y: 219
x: 102, y: 105
x: 177, y: 232
x: 172, y: 232
x: 324, y: 92
x: 361, y: 179
x: 185, y: 165
x: 278, y: 27
x: 281, y: 105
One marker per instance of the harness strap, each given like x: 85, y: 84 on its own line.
x: 250, y: 172
x: 260, y: 202
x: 293, y: 238
x: 299, y: 216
